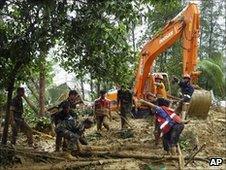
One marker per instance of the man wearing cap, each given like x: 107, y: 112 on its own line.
x: 102, y: 111
x: 17, y: 120
x: 68, y: 129
x: 160, y: 87
x: 187, y: 90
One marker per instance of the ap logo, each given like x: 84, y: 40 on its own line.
x: 215, y: 161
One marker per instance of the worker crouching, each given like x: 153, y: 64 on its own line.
x: 68, y: 129
x: 169, y: 123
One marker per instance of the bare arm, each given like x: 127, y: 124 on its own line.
x: 148, y: 104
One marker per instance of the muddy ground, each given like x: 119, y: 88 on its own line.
x: 138, y: 141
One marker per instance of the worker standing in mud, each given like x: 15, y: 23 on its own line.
x: 187, y: 90
x: 67, y: 128
x: 160, y: 87
x: 170, y: 124
x: 17, y: 120
x: 124, y: 101
x: 102, y: 111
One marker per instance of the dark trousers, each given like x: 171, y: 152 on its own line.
x: 171, y: 138
x: 21, y: 125
x: 101, y: 121
x: 58, y: 141
x: 125, y: 109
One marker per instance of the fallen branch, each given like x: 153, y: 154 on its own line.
x: 181, y: 158
x: 75, y: 165
x: 191, y: 157
x: 31, y: 153
x: 43, y: 134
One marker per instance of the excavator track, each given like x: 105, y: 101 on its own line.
x: 200, y: 104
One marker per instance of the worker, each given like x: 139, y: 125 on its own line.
x: 160, y: 87
x: 187, y: 90
x: 124, y: 101
x: 102, y: 111
x: 58, y: 116
x: 17, y: 121
x: 74, y: 100
x: 170, y: 124
x: 67, y: 128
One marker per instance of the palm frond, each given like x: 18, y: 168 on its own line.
x: 214, y: 74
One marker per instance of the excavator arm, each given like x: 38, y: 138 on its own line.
x: 186, y: 26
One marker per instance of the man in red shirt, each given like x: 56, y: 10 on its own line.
x: 102, y: 111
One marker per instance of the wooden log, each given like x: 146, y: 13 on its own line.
x: 139, y: 156
x: 31, y: 153
x: 73, y: 165
x: 181, y: 158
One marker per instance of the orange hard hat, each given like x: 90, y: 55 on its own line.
x: 159, y: 76
x: 187, y: 76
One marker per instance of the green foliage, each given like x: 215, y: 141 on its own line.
x: 95, y: 42
x: 184, y: 144
x: 32, y: 118
x: 211, y: 28
x: 212, y: 77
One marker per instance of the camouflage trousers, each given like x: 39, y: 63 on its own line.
x: 60, y: 138
x: 21, y: 125
x: 71, y: 137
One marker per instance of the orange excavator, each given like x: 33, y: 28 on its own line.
x: 185, y: 26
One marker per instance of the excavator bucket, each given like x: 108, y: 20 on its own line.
x: 200, y: 104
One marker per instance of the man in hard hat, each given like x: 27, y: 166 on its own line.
x: 187, y: 90
x: 160, y: 87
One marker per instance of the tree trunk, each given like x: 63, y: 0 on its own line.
x: 2, y: 3
x: 133, y: 37
x: 82, y: 88
x: 42, y: 80
x: 91, y: 85
x: 7, y: 117
x: 98, y: 87
x: 211, y: 30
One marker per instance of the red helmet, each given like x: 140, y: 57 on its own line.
x: 187, y: 76
x: 159, y: 76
